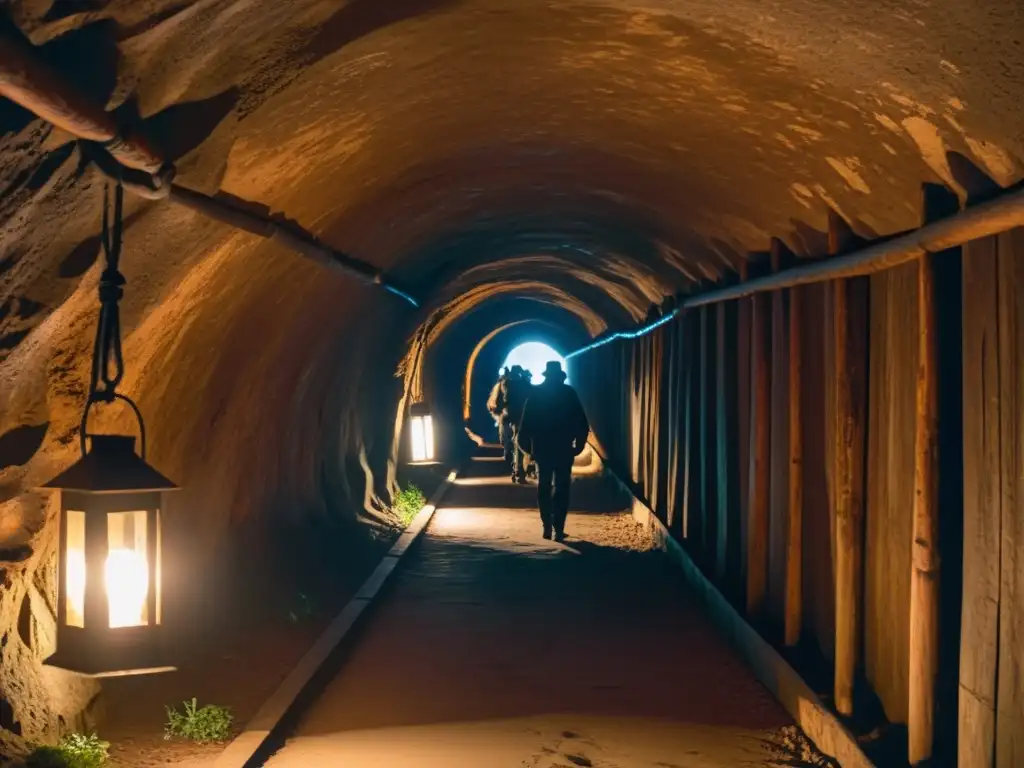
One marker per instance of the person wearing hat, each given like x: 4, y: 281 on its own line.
x: 554, y: 430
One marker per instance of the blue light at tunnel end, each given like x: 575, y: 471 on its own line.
x: 533, y: 356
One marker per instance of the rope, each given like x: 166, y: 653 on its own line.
x: 107, y: 359
x: 107, y: 356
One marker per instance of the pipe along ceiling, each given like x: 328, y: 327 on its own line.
x: 490, y: 157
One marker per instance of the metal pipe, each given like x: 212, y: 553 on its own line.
x: 29, y: 81
x: 989, y: 218
x: 291, y: 237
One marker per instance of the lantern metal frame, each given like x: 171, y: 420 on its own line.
x: 109, y: 479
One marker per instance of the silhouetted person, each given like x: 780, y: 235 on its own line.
x: 554, y: 430
x: 496, y: 406
x: 517, y: 390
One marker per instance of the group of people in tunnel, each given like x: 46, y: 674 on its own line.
x: 542, y: 428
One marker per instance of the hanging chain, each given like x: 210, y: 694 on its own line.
x: 107, y: 359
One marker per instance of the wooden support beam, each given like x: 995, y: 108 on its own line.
x: 849, y: 356
x: 742, y: 404
x: 924, y: 580
x: 708, y: 502
x: 793, y: 620
x: 979, y: 648
x: 688, y: 398
x: 758, y: 458
x: 723, y: 483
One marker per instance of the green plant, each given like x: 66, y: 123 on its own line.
x: 75, y: 750
x: 199, y: 724
x: 408, y: 503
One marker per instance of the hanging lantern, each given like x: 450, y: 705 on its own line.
x: 109, y: 560
x: 109, y: 569
x: 421, y: 427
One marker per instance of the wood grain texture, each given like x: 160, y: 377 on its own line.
x: 689, y: 401
x: 721, y: 442
x: 818, y: 535
x: 979, y: 655
x: 1010, y: 682
x: 808, y: 711
x: 888, y: 530
x: 708, y: 474
x: 925, y: 565
x: 793, y: 621
x: 673, y: 427
x: 743, y: 314
x: 758, y: 459
x: 778, y: 514
x: 850, y: 349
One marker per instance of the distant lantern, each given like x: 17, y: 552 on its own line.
x: 421, y: 427
x: 109, y: 563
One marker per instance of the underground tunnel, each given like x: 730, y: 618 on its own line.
x: 775, y: 245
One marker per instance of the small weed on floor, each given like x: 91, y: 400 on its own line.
x: 202, y: 725
x: 76, y: 750
x: 408, y: 504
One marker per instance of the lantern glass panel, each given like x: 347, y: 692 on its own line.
x: 74, y: 568
x: 419, y: 439
x: 159, y: 565
x: 428, y: 433
x: 127, y: 569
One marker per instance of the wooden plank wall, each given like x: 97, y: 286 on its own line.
x: 991, y: 715
x: 678, y: 412
x: 819, y: 595
x: 686, y: 441
x: 890, y: 485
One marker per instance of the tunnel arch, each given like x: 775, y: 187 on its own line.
x: 491, y: 350
x: 595, y: 157
x: 455, y: 363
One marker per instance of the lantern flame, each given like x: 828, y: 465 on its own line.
x: 126, y: 578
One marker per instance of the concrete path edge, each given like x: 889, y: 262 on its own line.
x: 775, y: 673
x: 258, y: 730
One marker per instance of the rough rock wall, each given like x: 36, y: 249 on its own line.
x: 599, y: 153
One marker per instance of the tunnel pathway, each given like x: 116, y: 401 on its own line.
x: 497, y: 648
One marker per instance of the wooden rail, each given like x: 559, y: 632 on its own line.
x: 988, y: 218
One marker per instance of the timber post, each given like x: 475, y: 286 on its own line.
x: 924, y: 579
x: 794, y: 531
x: 759, y: 451
x: 849, y: 355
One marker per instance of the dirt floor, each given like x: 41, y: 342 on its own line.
x: 239, y: 670
x: 241, y: 675
x: 497, y: 648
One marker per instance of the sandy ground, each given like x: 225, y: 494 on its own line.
x: 496, y: 648
x: 241, y: 675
